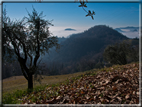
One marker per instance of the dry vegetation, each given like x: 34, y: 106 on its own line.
x: 20, y: 83
x: 114, y: 85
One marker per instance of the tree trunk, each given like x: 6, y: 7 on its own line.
x: 30, y: 81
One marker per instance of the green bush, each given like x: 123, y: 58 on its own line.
x: 121, y: 54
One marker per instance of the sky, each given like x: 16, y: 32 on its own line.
x: 68, y: 18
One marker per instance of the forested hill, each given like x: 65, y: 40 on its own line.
x: 100, y: 31
x: 91, y: 41
x: 82, y: 51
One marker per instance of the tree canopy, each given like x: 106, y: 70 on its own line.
x: 27, y: 39
x: 121, y: 53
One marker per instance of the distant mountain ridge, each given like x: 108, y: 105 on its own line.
x: 93, y: 39
x: 129, y: 31
x: 128, y: 28
x: 99, y: 30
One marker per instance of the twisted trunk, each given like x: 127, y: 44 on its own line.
x: 30, y: 81
x: 26, y: 72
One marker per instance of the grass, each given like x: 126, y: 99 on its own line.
x: 16, y: 87
x: 20, y: 83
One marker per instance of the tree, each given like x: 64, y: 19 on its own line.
x: 120, y: 53
x: 115, y: 54
x: 28, y: 39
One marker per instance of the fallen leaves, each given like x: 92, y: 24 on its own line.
x: 118, y: 86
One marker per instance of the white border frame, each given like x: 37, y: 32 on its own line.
x: 140, y: 39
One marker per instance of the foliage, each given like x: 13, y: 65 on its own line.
x: 115, y: 54
x: 28, y: 39
x: 82, y: 5
x: 82, y: 51
x: 89, y: 13
x: 119, y: 53
x: 7, y: 51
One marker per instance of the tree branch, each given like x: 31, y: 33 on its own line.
x: 24, y: 48
x: 25, y: 75
x: 38, y: 46
x: 30, y: 58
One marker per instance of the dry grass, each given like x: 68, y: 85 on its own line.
x: 14, y: 83
x: 20, y: 83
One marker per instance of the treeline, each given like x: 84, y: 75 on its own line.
x: 11, y: 69
x: 119, y: 53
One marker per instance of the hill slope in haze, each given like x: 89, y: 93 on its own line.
x: 93, y: 40
x: 83, y: 51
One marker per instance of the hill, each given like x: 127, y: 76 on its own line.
x: 14, y: 83
x: 83, y: 51
x: 113, y: 85
x: 94, y: 40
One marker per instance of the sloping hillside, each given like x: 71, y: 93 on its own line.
x: 14, y: 83
x: 91, y: 41
x: 114, y: 85
x: 83, y: 51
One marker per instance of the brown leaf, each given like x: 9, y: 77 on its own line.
x: 127, y: 96
x: 119, y: 98
x: 137, y: 100
x: 114, y: 88
x: 82, y: 92
x: 57, y: 98
x: 66, y: 97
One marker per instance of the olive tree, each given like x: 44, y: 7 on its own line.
x: 28, y: 39
x: 115, y: 54
x: 121, y: 53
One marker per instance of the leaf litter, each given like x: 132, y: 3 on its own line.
x: 112, y: 86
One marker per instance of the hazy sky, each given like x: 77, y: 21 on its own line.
x: 69, y: 15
